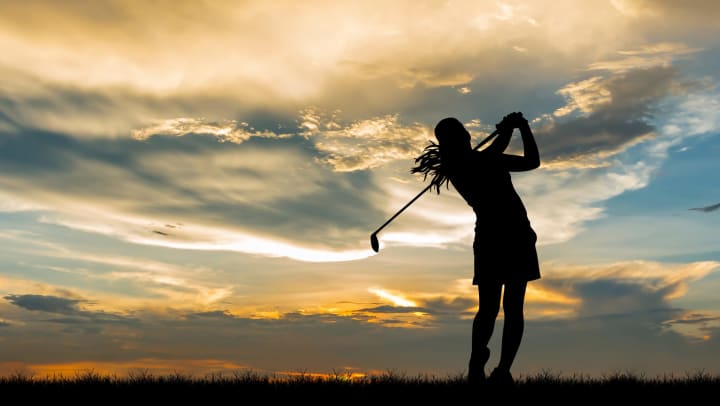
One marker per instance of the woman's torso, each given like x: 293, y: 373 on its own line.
x: 485, y: 183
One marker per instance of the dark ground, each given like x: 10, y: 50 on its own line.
x: 251, y: 389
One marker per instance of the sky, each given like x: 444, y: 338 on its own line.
x: 191, y: 186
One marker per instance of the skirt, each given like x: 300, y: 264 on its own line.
x: 505, y: 254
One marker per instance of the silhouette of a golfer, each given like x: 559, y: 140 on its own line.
x: 504, y: 245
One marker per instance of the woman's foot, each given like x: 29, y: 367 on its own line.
x: 501, y: 377
x: 476, y: 368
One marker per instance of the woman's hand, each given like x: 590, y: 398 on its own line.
x: 512, y: 121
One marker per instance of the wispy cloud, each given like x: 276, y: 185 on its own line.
x: 707, y: 209
x: 660, y: 54
x: 229, y: 131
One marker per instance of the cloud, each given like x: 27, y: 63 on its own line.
x: 66, y: 312
x: 615, y: 114
x: 622, y: 297
x: 649, y: 56
x: 229, y: 131
x: 221, y: 314
x: 618, y: 291
x: 700, y: 326
x: 29, y: 101
x: 364, y: 144
x: 707, y: 209
x: 695, y: 318
x: 346, y: 147
x: 49, y: 304
x: 207, y: 59
x: 161, y: 163
x: 585, y: 95
x: 397, y: 300
x: 611, y: 298
x: 384, y: 73
x: 619, y: 110
x: 156, y: 183
x: 697, y: 13
x: 450, y: 306
x: 224, y: 46
x: 610, y: 137
x: 390, y: 309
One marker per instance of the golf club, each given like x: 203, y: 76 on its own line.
x: 374, y: 243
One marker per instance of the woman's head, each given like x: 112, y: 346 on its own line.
x: 441, y: 160
x: 450, y: 132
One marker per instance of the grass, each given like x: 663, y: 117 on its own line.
x: 341, y: 388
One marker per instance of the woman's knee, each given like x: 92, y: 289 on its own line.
x: 489, y: 312
x: 513, y: 310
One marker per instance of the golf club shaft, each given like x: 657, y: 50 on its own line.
x: 404, y: 207
x: 483, y: 142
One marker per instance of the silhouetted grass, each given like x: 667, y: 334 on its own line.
x: 242, y: 387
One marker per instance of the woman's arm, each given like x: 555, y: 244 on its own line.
x: 531, y: 155
x: 501, y: 142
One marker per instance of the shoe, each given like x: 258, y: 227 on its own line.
x: 476, y: 368
x: 501, y: 377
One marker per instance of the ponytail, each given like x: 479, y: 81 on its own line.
x: 438, y: 160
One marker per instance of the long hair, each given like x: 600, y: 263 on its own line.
x: 440, y: 160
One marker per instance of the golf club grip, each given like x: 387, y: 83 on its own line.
x: 483, y: 142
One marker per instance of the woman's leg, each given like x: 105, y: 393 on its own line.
x: 483, y: 326
x: 514, y: 324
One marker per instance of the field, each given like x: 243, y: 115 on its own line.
x: 243, y: 388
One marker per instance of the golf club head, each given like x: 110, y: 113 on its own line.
x: 374, y: 243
